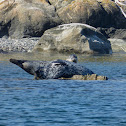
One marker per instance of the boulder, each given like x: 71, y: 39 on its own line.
x: 113, y: 32
x: 30, y: 18
x: 118, y: 45
x: 58, y: 4
x: 124, y: 8
x: 117, y: 38
x: 97, y: 13
x: 26, y: 18
x: 74, y: 37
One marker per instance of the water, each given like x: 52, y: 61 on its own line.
x: 28, y: 102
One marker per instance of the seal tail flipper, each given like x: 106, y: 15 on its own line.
x: 17, y: 62
x: 25, y: 65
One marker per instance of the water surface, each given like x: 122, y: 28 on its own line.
x: 28, y: 102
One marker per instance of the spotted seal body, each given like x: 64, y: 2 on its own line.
x: 32, y: 66
x: 61, y: 68
x: 53, y: 69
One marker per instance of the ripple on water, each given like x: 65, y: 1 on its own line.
x: 24, y: 101
x: 63, y: 102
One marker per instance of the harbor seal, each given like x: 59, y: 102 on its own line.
x: 61, y: 69
x: 32, y: 66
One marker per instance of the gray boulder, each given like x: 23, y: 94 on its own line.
x: 117, y: 38
x: 74, y: 37
x: 118, y: 45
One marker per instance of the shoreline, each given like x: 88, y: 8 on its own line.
x: 8, y: 45
x: 115, y: 57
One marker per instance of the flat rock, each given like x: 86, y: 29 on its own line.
x: 87, y: 77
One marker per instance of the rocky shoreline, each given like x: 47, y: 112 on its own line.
x: 69, y: 38
x: 8, y: 45
x: 25, y: 24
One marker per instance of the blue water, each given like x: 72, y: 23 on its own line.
x: 28, y: 102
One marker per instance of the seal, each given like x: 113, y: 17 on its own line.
x: 53, y: 69
x: 61, y: 69
x: 32, y: 66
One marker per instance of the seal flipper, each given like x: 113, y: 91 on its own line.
x: 25, y: 65
x: 18, y: 62
x: 36, y: 77
x: 39, y: 73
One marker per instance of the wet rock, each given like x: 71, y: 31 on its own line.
x: 87, y: 77
x: 74, y: 37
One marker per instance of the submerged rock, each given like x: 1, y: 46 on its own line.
x: 74, y: 37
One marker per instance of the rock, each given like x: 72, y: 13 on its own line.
x: 30, y: 18
x: 97, y: 13
x: 58, y: 4
x: 118, y: 45
x: 102, y: 78
x: 119, y: 34
x: 124, y: 9
x: 113, y: 33
x: 26, y: 18
x: 87, y: 77
x: 74, y: 37
x: 117, y: 38
x: 122, y: 5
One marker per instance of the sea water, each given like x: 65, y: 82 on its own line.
x: 28, y: 102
